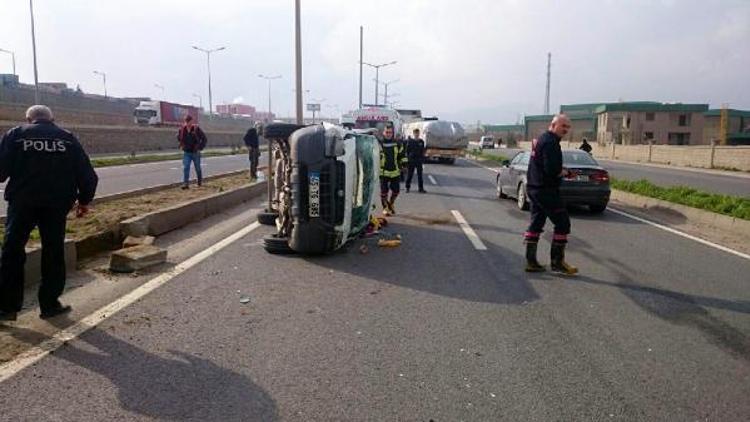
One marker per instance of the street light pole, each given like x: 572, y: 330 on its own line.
x: 33, y: 48
x: 200, y: 100
x: 318, y: 102
x: 208, y: 63
x: 104, y: 80
x: 269, y: 79
x: 387, y: 84
x: 377, y: 75
x: 361, y: 47
x: 162, y: 90
x: 13, y: 56
x: 298, y: 60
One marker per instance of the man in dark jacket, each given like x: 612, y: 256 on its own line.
x: 192, y: 141
x: 585, y: 146
x: 543, y: 179
x: 48, y: 172
x: 415, y: 149
x: 253, y: 147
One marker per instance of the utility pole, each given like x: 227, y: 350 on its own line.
x: 269, y: 79
x: 387, y: 84
x: 298, y: 60
x: 377, y: 75
x: 208, y: 62
x: 546, y: 95
x: 200, y: 100
x: 13, y: 57
x: 33, y: 48
x: 104, y: 80
x: 361, y: 46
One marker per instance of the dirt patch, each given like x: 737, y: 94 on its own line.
x: 106, y: 216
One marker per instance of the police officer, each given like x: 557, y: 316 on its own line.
x: 253, y: 147
x: 585, y: 146
x: 392, y: 160
x: 543, y: 188
x: 49, y: 173
x: 415, y: 153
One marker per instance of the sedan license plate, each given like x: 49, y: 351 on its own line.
x: 314, y: 194
x: 582, y: 178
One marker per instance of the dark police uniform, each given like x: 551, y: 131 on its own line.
x: 415, y: 154
x: 48, y: 171
x: 543, y: 188
x: 253, y: 146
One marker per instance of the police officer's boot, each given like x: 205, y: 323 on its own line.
x: 386, y: 206
x: 532, y: 265
x: 558, y: 264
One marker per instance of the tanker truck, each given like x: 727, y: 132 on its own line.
x: 444, y: 140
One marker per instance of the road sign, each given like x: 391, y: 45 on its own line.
x: 313, y: 107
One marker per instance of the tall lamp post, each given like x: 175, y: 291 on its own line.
x: 200, y: 100
x: 269, y: 79
x: 161, y: 87
x: 104, y: 80
x: 318, y: 102
x: 33, y: 48
x: 208, y: 62
x: 298, y: 60
x: 13, y: 56
x: 377, y: 75
x: 386, y: 85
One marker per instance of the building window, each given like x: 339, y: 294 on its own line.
x: 684, y: 120
x: 648, y: 136
x: 650, y: 117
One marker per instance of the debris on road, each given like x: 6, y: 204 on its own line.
x: 131, y: 241
x: 136, y: 258
x: 244, y: 300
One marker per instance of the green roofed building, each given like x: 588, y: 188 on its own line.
x: 643, y: 122
x: 738, y: 126
x: 535, y: 125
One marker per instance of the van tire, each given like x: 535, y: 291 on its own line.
x: 267, y: 218
x: 280, y: 130
x: 277, y: 245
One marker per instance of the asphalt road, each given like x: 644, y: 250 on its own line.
x: 116, y: 179
x: 656, y: 327
x: 708, y: 182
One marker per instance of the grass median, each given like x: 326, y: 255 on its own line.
x: 481, y: 155
x: 152, y: 158
x: 733, y: 206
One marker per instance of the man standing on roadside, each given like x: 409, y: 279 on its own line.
x: 48, y: 172
x: 544, y: 176
x: 253, y: 148
x: 585, y: 146
x: 192, y: 141
x: 392, y: 160
x: 415, y: 153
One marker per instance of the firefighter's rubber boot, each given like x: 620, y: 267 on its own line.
x: 386, y: 207
x: 532, y: 265
x: 391, y: 206
x: 558, y: 265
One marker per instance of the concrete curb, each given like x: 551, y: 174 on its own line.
x: 719, y: 221
x: 154, y: 223
x: 163, y: 221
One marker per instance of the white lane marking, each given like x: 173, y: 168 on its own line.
x: 679, y: 233
x: 665, y: 228
x: 432, y: 179
x: 469, y: 232
x: 36, y: 353
x: 175, y: 168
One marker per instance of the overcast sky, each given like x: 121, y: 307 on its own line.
x: 467, y: 60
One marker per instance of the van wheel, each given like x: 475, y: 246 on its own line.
x: 267, y: 218
x: 523, y: 202
x: 277, y: 245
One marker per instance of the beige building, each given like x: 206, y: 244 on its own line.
x: 639, y: 123
x: 536, y: 125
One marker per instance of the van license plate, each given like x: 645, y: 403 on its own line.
x: 314, y: 194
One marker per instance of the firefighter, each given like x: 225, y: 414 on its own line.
x: 392, y: 161
x: 544, y: 177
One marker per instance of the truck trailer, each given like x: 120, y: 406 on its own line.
x: 163, y: 113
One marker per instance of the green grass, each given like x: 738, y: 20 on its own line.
x: 138, y: 159
x: 733, y: 206
x: 479, y: 154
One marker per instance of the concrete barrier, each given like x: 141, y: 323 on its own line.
x: 719, y: 221
x: 175, y: 217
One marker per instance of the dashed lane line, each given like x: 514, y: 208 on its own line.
x: 468, y: 231
x: 38, y: 352
x: 432, y: 179
x: 659, y: 226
